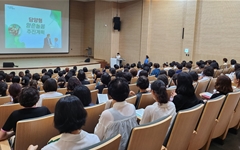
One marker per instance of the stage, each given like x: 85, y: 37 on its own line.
x: 37, y: 64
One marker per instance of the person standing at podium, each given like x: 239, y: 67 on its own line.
x: 119, y: 59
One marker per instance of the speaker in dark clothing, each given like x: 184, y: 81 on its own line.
x: 87, y: 60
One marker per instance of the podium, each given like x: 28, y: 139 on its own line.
x: 115, y: 61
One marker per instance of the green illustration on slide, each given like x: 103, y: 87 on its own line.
x: 12, y: 34
x: 56, y: 16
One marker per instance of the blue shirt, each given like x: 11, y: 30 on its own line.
x: 146, y: 61
x: 155, y: 72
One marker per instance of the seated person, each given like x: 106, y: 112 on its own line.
x: 44, y: 78
x: 223, y: 86
x: 113, y: 71
x: 143, y: 73
x: 36, y: 76
x: 142, y: 84
x: 225, y: 61
x: 16, y: 79
x: 121, y: 118
x: 98, y: 75
x: 105, y: 79
x: 61, y: 82
x: 185, y: 97
x: 82, y: 77
x: 73, y: 137
x: 208, y: 73
x: 50, y: 88
x: 84, y: 94
x: 179, y: 68
x: 28, y: 99
x: 14, y: 91
x: 85, y: 69
x: 25, y: 81
x: 162, y: 107
x: 3, y: 88
x: 34, y: 83
x: 236, y: 80
x: 72, y: 83
x: 156, y: 70
x: 163, y: 78
x: 127, y: 76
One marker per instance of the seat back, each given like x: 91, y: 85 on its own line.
x: 91, y: 86
x: 201, y: 87
x: 236, y: 117
x: 50, y: 103
x: 36, y: 131
x: 206, y: 123
x: 169, y: 91
x: 152, y: 78
x: 94, y: 96
x: 6, y: 110
x: 62, y: 90
x: 225, y: 115
x: 5, y: 99
x: 132, y: 99
x: 134, y: 88
x: 182, y: 128
x: 108, y: 144
x: 149, y: 136
x: 145, y: 100
x: 225, y: 70
x: 134, y: 80
x: 105, y: 91
x: 93, y: 114
x: 211, y: 85
x: 217, y: 73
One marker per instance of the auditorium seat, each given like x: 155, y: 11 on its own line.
x: 149, y: 136
x: 5, y: 99
x: 217, y: 73
x: 182, y: 128
x: 108, y: 144
x: 62, y: 90
x: 145, y: 100
x: 50, y: 103
x: 91, y: 86
x: 152, y: 78
x: 211, y: 85
x: 36, y: 131
x: 235, y: 121
x: 94, y: 96
x: 134, y: 80
x: 206, y: 123
x: 134, y: 88
x: 4, y: 145
x: 132, y: 99
x: 201, y: 87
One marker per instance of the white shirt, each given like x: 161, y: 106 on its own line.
x: 204, y: 78
x: 106, y: 117
x: 47, y: 95
x: 73, y: 141
x: 157, y: 111
x: 118, y: 56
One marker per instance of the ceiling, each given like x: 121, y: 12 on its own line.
x: 120, y: 1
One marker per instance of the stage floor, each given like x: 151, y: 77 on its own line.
x: 39, y: 63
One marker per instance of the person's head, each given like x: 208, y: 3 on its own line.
x: 72, y: 83
x: 68, y: 76
x: 36, y: 76
x: 29, y: 75
x: 147, y: 57
x: 75, y: 68
x: 179, y: 66
x: 50, y: 85
x: 69, y: 115
x: 208, y: 71
x: 58, y: 68
x: 55, y: 70
x: 50, y: 70
x: 156, y: 65
x: 44, y: 70
x: 163, y: 78
x: 16, y: 79
x: 98, y: 75
x: 84, y: 94
x: 158, y: 89
x: 21, y: 74
x: 188, y: 65
x: 194, y: 76
x: 143, y: 82
x: 14, y: 90
x: 13, y: 73
x: 85, y: 69
x: 174, y: 79
x: 214, y: 65
x: 225, y: 60
x: 67, y: 69
x: 236, y: 78
x: 44, y: 78
x: 25, y: 81
x: 118, y: 89
x: 184, y: 84
x: 28, y: 97
x: 146, y: 68
x: 223, y: 84
x: 237, y: 67
x: 171, y: 72
x: 118, y: 53
x: 127, y: 76
x: 116, y: 67
x: 81, y: 75
x: 27, y: 71
x: 163, y: 72
x: 143, y: 73
x: 139, y: 66
x: 113, y: 71
x: 9, y: 78
x: 34, y: 83
x: 48, y: 74
x: 61, y: 82
x: 133, y: 71
x: 233, y: 62
x: 105, y: 78
x: 60, y: 74
x: 3, y: 88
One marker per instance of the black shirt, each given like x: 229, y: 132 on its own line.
x: 100, y: 88
x: 21, y: 114
x: 84, y: 82
x: 139, y: 95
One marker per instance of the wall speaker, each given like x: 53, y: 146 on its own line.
x: 8, y: 64
x: 87, y: 60
x: 117, y: 23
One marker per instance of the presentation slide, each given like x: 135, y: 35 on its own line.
x: 30, y: 29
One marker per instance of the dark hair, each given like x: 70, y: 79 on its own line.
x: 105, y: 78
x: 3, y: 88
x: 85, y: 69
x: 184, y: 84
x: 237, y: 67
x: 9, y: 77
x: 146, y: 68
x: 25, y: 81
x: 61, y: 82
x: 237, y: 74
x: 15, y: 90
x: 233, y: 61
x: 156, y: 65
x: 194, y: 75
x: 214, y: 65
x: 113, y: 71
x: 116, y: 66
x: 171, y: 72
x: 163, y: 78
x: 75, y: 68
x: 81, y: 75
x: 143, y: 73
x: 84, y: 94
x: 48, y: 74
x: 68, y: 76
x: 16, y: 79
x: 50, y: 70
x: 44, y: 78
x: 58, y: 68
x: 118, y: 89
x: 69, y: 114
x: 36, y: 76
x: 188, y: 65
x: 34, y: 83
x: 60, y: 73
x: 208, y: 71
x: 159, y: 89
x: 179, y: 66
x: 50, y: 85
x: 27, y: 71
x: 223, y: 84
x: 143, y: 82
x: 55, y: 70
x: 72, y: 83
x: 28, y: 97
x: 163, y: 72
x: 127, y: 76
x: 21, y: 74
x: 44, y: 71
x: 73, y: 71
x: 133, y: 71
x: 147, y: 56
x: 67, y: 69
x: 225, y: 60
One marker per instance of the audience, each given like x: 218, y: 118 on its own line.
x: 105, y: 79
x: 61, y: 82
x: 82, y: 77
x: 156, y: 70
x: 3, y: 88
x: 236, y: 81
x: 16, y: 79
x: 25, y: 81
x: 207, y: 73
x: 72, y: 83
x: 142, y: 84
x: 14, y: 91
x: 84, y: 94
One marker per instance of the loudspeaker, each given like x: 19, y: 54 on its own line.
x: 8, y: 64
x: 87, y: 60
x: 117, y: 23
